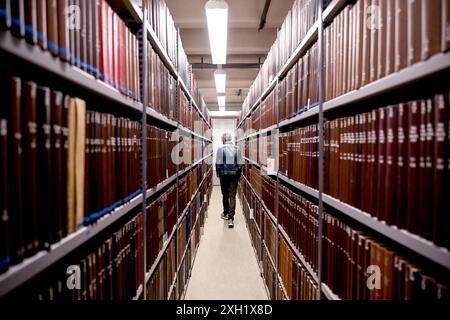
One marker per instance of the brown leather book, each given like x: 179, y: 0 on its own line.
x: 45, y: 166
x: 4, y: 225
x: 18, y: 13
x: 414, y: 31
x: 83, y: 33
x: 367, y: 45
x: 345, y: 50
x: 382, y: 38
x: 57, y: 100
x: 31, y: 21
x: 15, y: 173
x: 401, y: 34
x: 360, y: 26
x: 377, y: 160
x: 5, y: 19
x: 63, y: 30
x: 402, y: 165
x: 390, y: 37
x: 65, y: 159
x: 431, y: 28
x: 29, y: 154
x: 390, y: 193
x: 375, y: 38
x: 421, y: 182
x: 427, y: 206
x: 41, y: 23
x: 441, y: 170
x: 52, y: 26
x: 413, y: 151
x: 445, y: 31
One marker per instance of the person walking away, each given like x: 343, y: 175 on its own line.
x: 229, y: 170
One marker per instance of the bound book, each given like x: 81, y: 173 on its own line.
x: 30, y: 169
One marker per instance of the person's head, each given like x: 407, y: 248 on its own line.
x: 226, y: 138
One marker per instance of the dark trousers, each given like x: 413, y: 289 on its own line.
x: 229, y: 187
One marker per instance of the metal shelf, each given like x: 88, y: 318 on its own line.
x: 149, y: 274
x: 271, y: 216
x: 134, y: 10
x: 302, y: 116
x: 19, y: 274
x: 162, y: 185
x: 44, y: 60
x: 162, y: 118
x: 138, y: 292
x: 413, y: 242
x: 261, y: 132
x: 418, y: 71
x: 299, y: 256
x: 269, y: 89
x: 280, y: 281
x: 192, y: 198
x: 332, y: 10
x: 251, y: 161
x: 198, y: 136
x: 299, y: 186
x: 268, y: 254
x: 328, y: 293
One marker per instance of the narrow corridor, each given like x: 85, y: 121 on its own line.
x: 225, y: 267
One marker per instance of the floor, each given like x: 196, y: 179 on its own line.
x: 225, y: 267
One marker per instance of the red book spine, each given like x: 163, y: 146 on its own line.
x: 391, y: 165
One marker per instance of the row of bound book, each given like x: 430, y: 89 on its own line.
x: 299, y: 154
x: 299, y: 218
x: 269, y: 193
x: 393, y: 163
x: 269, y: 273
x: 161, y: 220
x: 254, y: 178
x: 298, y: 21
x: 299, y: 90
x: 162, y: 86
x: 297, y: 281
x: 112, y: 161
x: 269, y: 233
x: 159, y: 284
x: 45, y: 138
x: 360, y: 267
x: 86, y: 34
x: 254, y: 205
x: 161, y: 21
x: 112, y: 271
x: 160, y: 164
x: 397, y: 35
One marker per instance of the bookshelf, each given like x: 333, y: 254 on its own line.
x: 18, y: 49
x: 439, y: 64
x: 33, y: 55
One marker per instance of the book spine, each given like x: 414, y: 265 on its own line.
x: 41, y: 16
x: 30, y: 21
x: 29, y: 154
x: 5, y: 19
x: 45, y: 166
x: 5, y: 258
x: 17, y: 17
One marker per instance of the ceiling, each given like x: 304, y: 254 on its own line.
x: 245, y: 43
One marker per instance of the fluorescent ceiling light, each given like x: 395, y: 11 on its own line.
x: 221, y: 101
x: 221, y: 80
x: 217, y: 17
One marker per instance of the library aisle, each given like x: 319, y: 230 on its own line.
x: 225, y: 266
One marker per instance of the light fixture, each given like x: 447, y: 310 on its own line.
x: 221, y: 101
x: 217, y: 18
x: 221, y: 79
